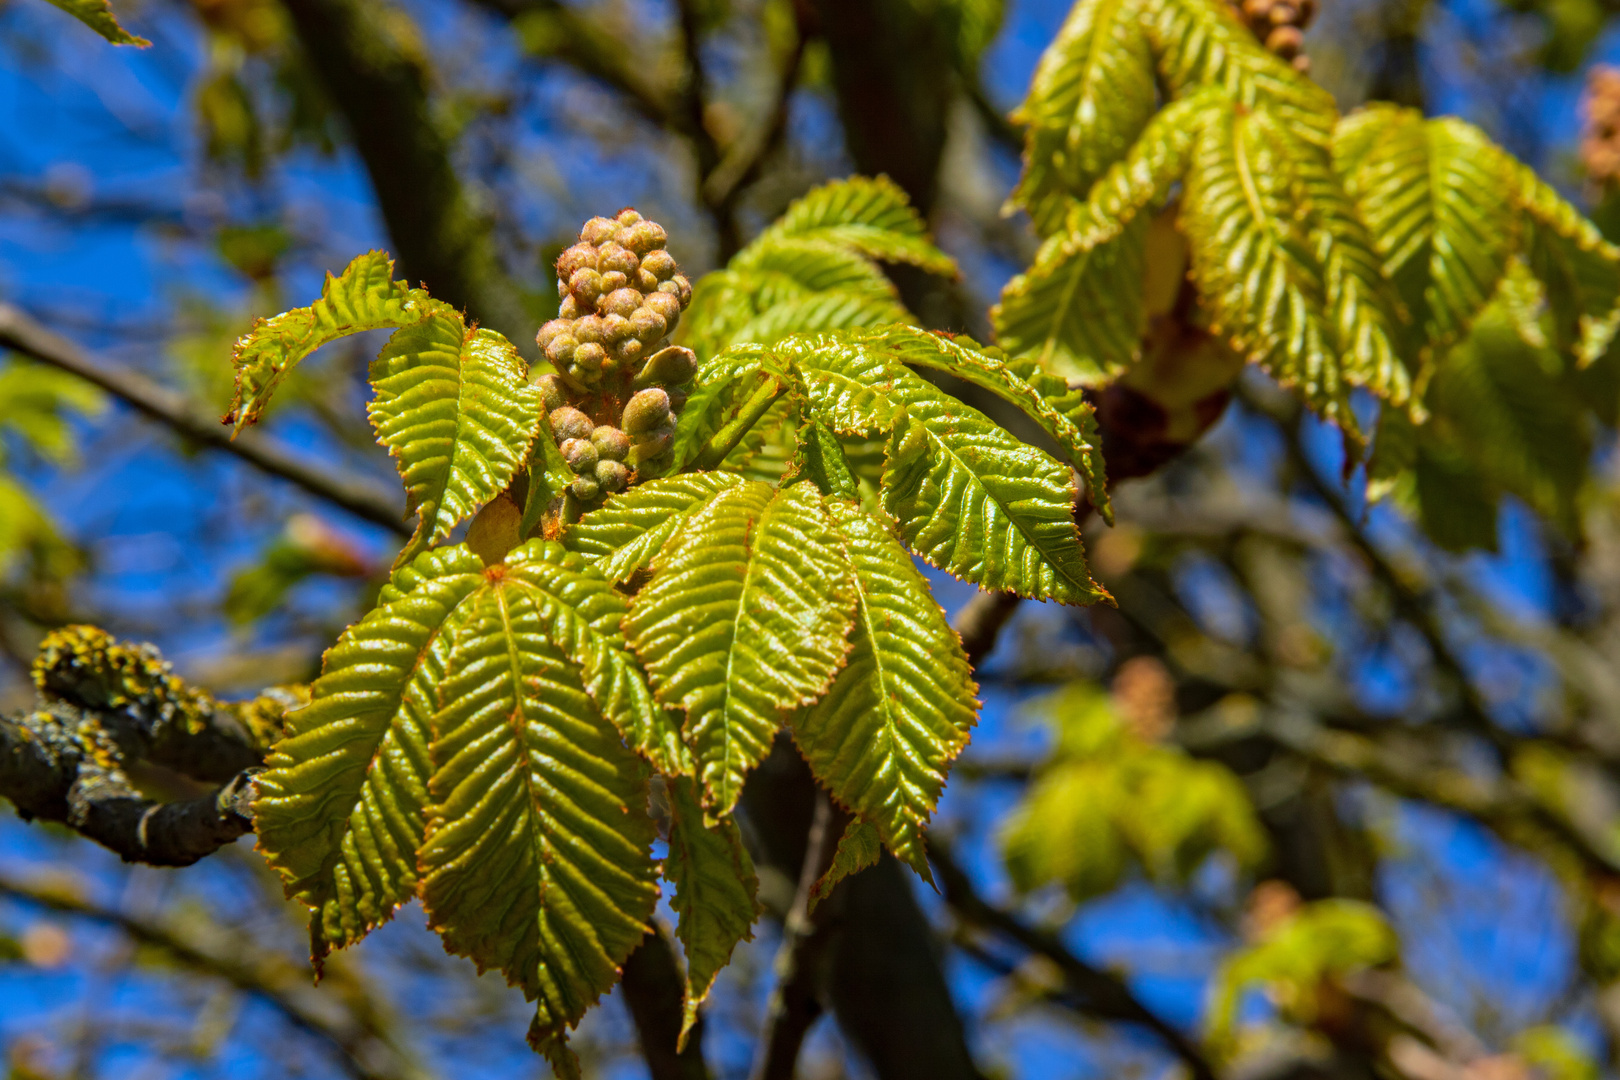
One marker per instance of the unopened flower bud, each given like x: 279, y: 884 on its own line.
x: 1285, y: 41
x: 598, y: 230
x: 585, y: 488
x: 562, y: 286
x: 561, y: 349
x: 589, y: 356
x: 612, y: 281
x: 569, y: 308
x: 611, y: 443
x: 586, y: 285
x: 628, y: 216
x: 580, y: 454
x: 612, y: 476
x: 612, y: 256
x: 569, y: 423
x: 667, y: 305
x: 660, y: 264
x: 549, y: 331
x: 645, y: 281
x: 668, y: 367
x: 615, y: 328
x: 679, y: 288
x: 551, y: 391
x: 589, y: 329
x: 628, y: 351
x: 643, y: 237
x: 578, y: 257
x: 621, y: 302
x: 647, y: 411
x: 647, y: 325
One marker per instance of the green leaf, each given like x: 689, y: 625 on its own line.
x: 537, y: 854
x: 871, y: 216
x: 341, y: 803
x: 859, y: 848
x: 1437, y: 198
x: 746, y: 617
x: 1580, y: 269
x: 549, y: 478
x: 364, y: 297
x: 1201, y: 44
x: 1078, y: 310
x: 715, y: 893
x: 629, y: 530
x: 455, y: 411
x: 974, y: 501
x: 1023, y: 386
x: 883, y: 737
x: 36, y: 403
x: 723, y: 382
x: 1284, y: 267
x: 98, y: 16
x: 1092, y: 95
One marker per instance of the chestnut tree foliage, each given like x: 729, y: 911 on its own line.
x: 696, y: 519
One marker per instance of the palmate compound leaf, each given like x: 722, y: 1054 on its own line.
x: 966, y: 495
x: 884, y: 735
x: 364, y: 296
x: 746, y: 617
x: 536, y: 859
x: 455, y: 411
x: 342, y: 804
x: 1092, y: 95
x: 715, y: 893
x: 1284, y: 266
x: 1437, y: 197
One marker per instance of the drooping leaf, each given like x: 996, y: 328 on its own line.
x: 1283, y: 265
x: 859, y: 848
x: 974, y: 501
x: 1078, y: 310
x: 98, y: 16
x: 455, y: 411
x: 871, y: 216
x: 1579, y: 267
x: 883, y: 737
x: 628, y: 531
x: 715, y: 893
x: 746, y: 617
x: 364, y: 297
x: 1092, y: 95
x: 1437, y: 198
x: 341, y: 803
x: 537, y: 854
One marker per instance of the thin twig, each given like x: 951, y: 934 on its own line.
x: 22, y: 334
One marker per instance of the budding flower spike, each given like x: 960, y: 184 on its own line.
x: 611, y: 381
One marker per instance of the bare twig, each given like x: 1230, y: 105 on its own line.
x: 980, y: 622
x: 22, y: 334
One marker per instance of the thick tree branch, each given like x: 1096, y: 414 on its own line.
x: 380, y: 84
x: 341, y: 1013
x: 23, y: 335
x: 1097, y: 993
x: 653, y: 989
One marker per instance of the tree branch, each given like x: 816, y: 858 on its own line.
x: 23, y: 335
x: 380, y: 84
x: 653, y: 990
x: 346, y: 1019
x: 1097, y: 993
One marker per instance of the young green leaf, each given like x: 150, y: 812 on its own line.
x: 871, y: 216
x: 1579, y: 267
x: 364, y: 297
x: 715, y: 893
x: 98, y: 16
x: 537, y: 853
x: 746, y: 617
x: 340, y: 806
x: 883, y: 737
x: 859, y: 848
x: 455, y: 411
x: 629, y: 530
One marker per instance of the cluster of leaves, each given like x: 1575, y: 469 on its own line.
x: 1108, y: 796
x: 1378, y: 250
x: 484, y: 738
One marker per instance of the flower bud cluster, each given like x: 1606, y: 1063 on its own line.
x: 1281, y: 24
x: 617, y: 387
x: 1600, y: 131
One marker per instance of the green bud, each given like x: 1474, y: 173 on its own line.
x: 578, y: 257
x: 645, y: 281
x: 561, y: 349
x: 580, y: 454
x: 551, y: 391
x: 660, y: 264
x: 589, y: 330
x: 646, y: 412
x: 562, y: 286
x: 585, y: 488
x: 585, y: 377
x: 628, y: 351
x: 551, y: 330
x: 586, y: 285
x: 612, y: 475
x: 666, y: 304
x: 627, y: 216
x: 643, y: 237
x: 589, y: 357
x: 598, y: 230
x: 647, y: 325
x: 569, y: 308
x: 612, y: 281
x: 621, y: 302
x: 610, y: 442
x: 569, y: 423
x: 615, y: 328
x: 611, y: 256
x: 668, y: 367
